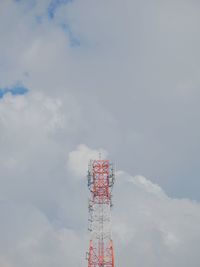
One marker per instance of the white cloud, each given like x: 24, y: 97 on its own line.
x: 44, y: 208
x: 30, y: 239
x: 34, y: 193
x: 146, y: 119
x: 147, y: 185
x: 164, y: 229
x: 147, y: 221
x: 109, y: 93
x: 78, y: 159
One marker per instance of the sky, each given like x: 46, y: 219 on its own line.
x: 78, y: 77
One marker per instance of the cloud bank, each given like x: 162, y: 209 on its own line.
x: 43, y: 205
x: 132, y: 68
x: 120, y: 77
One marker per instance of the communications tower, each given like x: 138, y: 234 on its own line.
x: 100, y: 183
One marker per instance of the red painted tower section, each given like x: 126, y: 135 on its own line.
x: 100, y: 182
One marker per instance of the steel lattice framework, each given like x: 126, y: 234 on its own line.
x: 100, y: 182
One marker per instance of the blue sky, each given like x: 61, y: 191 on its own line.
x: 54, y: 4
x: 14, y: 90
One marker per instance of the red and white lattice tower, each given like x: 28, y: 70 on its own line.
x: 100, y: 182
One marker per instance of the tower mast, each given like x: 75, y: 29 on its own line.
x: 100, y: 183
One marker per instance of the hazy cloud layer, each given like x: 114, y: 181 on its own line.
x: 43, y: 205
x: 134, y: 65
x: 120, y: 77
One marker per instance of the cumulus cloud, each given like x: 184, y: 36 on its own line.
x: 129, y: 87
x: 43, y: 205
x: 78, y: 160
x: 153, y: 229
x: 135, y: 70
x: 35, y: 192
x: 29, y: 238
x: 148, y: 222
